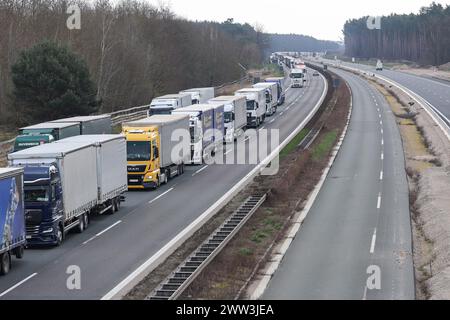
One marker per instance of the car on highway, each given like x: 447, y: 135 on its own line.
x: 315, y: 73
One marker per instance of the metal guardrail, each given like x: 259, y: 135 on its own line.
x: 440, y: 119
x: 174, y: 285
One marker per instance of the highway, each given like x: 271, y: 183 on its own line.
x: 360, y: 218
x: 436, y: 92
x: 114, y: 246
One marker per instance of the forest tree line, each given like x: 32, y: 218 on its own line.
x: 423, y: 38
x: 300, y: 43
x: 133, y: 50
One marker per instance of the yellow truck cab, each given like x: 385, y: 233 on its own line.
x: 150, y: 161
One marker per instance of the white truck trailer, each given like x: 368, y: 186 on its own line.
x: 201, y: 126
x: 111, y: 168
x: 100, y: 124
x: 235, y: 115
x: 200, y: 95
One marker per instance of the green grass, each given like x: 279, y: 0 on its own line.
x: 117, y: 128
x: 291, y: 146
x: 323, y: 148
x: 245, y: 252
x: 274, y: 70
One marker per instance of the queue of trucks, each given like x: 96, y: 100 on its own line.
x: 64, y: 171
x: 50, y: 131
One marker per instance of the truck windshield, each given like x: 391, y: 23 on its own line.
x: 250, y: 105
x: 297, y: 75
x: 36, y: 195
x: 228, y: 116
x: 161, y: 111
x: 138, y: 150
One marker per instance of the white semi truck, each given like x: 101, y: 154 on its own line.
x: 256, y: 105
x: 200, y: 95
x: 379, y: 66
x: 271, y: 96
x: 235, y: 115
x: 166, y: 104
x: 297, y: 78
x: 201, y: 125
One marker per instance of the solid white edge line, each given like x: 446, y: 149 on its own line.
x: 156, y: 259
x: 17, y: 285
x: 161, y: 195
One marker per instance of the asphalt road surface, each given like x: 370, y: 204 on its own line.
x: 358, y: 230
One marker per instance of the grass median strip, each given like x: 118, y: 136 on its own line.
x: 294, y: 143
x: 323, y: 149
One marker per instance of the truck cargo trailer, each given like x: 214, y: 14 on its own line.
x: 201, y: 126
x: 112, y: 182
x: 45, y: 132
x: 235, y: 115
x: 12, y: 217
x: 100, y: 124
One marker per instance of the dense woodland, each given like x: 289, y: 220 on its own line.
x: 423, y: 38
x: 133, y: 50
x: 299, y: 43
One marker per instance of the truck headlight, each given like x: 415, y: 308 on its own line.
x: 49, y: 230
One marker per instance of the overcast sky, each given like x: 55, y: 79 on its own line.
x: 322, y: 19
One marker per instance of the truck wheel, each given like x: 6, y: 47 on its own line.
x: 86, y: 220
x: 18, y: 252
x: 59, y: 236
x: 5, y: 263
x: 80, y: 227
